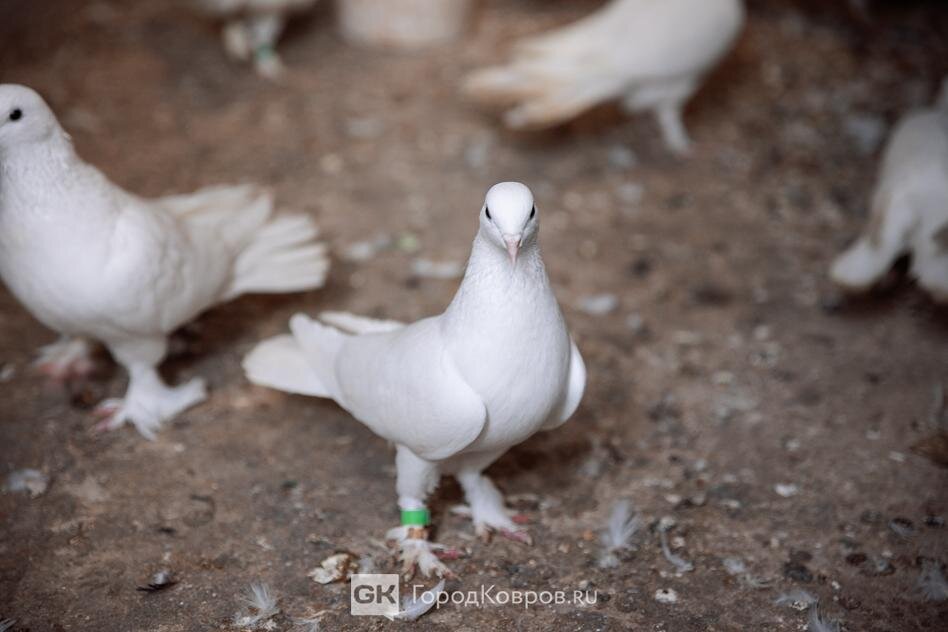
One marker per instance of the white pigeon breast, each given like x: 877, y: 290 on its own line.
x: 507, y: 338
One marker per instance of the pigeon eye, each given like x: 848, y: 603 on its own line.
x: 16, y: 114
x: 533, y: 211
x: 487, y: 212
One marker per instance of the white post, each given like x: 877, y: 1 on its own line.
x: 402, y: 24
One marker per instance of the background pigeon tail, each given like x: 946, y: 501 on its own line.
x: 860, y: 267
x: 283, y: 256
x: 279, y: 363
x: 498, y: 85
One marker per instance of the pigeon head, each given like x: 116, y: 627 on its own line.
x: 24, y: 117
x: 509, y: 217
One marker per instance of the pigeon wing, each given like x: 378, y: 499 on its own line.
x: 575, y: 387
x: 157, y: 275
x: 403, y: 384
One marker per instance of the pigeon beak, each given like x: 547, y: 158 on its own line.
x: 513, y: 246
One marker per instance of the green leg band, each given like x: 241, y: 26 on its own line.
x: 416, y: 517
x: 264, y: 51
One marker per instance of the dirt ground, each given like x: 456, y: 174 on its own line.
x: 730, y: 390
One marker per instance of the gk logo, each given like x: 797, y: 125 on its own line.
x: 374, y: 594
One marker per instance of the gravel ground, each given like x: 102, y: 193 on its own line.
x: 730, y: 390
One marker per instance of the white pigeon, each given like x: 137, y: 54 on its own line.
x: 252, y: 28
x: 91, y: 261
x: 909, y: 213
x: 454, y: 391
x: 649, y: 54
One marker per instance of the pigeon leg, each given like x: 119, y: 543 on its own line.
x: 931, y: 268
x: 667, y: 100
x: 673, y: 128
x: 237, y: 40
x: 65, y: 359
x: 488, y: 511
x: 148, y: 402
x: 416, y: 479
x: 264, y: 32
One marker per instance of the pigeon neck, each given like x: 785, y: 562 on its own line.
x: 38, y: 174
x: 487, y: 258
x: 40, y: 163
x: 493, y: 288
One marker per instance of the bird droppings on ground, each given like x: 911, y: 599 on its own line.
x: 443, y: 270
x: 366, y: 249
x: 666, y: 596
x: 786, y: 490
x: 735, y: 237
x: 28, y: 480
x: 599, y: 304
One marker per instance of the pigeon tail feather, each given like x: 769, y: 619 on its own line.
x: 543, y: 95
x: 283, y: 256
x: 498, y: 85
x: 279, y: 363
x: 320, y: 345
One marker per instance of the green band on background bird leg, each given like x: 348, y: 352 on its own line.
x: 416, y: 517
x: 264, y: 51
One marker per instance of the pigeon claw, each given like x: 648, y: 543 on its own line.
x: 449, y: 554
x: 418, y: 555
x: 105, y: 412
x: 65, y: 360
x: 521, y: 536
x: 486, y: 533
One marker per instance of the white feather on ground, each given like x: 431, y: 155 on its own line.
x: 6, y: 624
x: 620, y: 529
x: 817, y: 622
x: 681, y: 565
x: 413, y: 608
x: 262, y: 606
x: 932, y: 582
x: 794, y: 597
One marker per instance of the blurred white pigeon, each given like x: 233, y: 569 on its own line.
x: 650, y: 54
x: 252, y: 28
x: 454, y: 391
x: 92, y: 261
x: 909, y: 213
